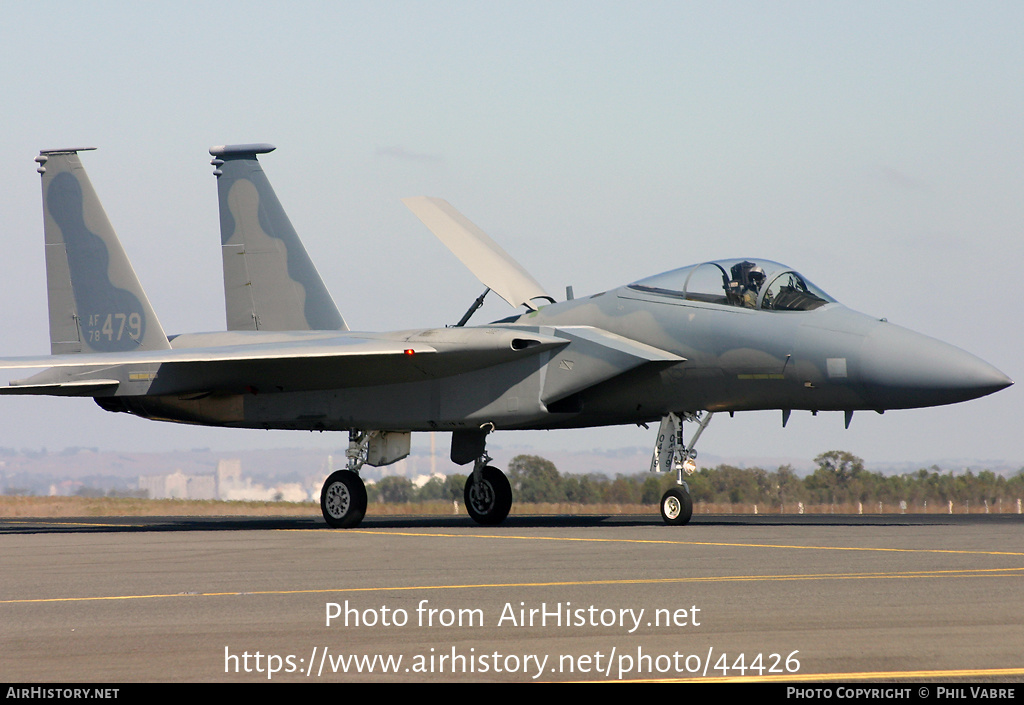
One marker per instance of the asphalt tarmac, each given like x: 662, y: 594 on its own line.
x: 595, y: 598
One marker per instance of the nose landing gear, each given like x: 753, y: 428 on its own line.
x: 671, y: 454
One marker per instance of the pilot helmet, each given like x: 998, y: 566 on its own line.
x: 756, y: 277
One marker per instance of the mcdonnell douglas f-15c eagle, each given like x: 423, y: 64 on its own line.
x: 731, y: 335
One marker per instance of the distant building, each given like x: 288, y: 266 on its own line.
x: 178, y: 485
x: 226, y: 483
x: 229, y: 476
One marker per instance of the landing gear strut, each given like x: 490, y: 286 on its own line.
x: 488, y: 494
x: 343, y: 497
x: 671, y: 454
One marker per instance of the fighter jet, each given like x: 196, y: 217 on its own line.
x: 724, y: 336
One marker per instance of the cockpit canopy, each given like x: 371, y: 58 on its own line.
x: 744, y: 283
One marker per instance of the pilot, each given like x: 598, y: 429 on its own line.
x: 755, y: 278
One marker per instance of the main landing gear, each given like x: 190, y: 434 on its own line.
x: 343, y: 497
x: 671, y: 454
x: 488, y: 494
x: 343, y: 501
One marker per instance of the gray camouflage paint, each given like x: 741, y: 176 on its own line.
x: 269, y: 281
x: 95, y: 300
x: 628, y: 355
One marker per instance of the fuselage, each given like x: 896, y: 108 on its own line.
x: 789, y: 347
x: 741, y: 359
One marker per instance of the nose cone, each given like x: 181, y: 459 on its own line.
x: 902, y: 370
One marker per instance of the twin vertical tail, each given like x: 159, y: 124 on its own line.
x: 269, y: 281
x: 96, y: 302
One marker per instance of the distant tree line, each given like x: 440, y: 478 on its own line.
x: 839, y: 479
x: 398, y: 490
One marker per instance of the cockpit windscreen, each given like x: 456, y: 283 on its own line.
x: 755, y: 284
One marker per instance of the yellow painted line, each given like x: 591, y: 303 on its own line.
x: 676, y: 542
x: 965, y: 573
x: 991, y: 673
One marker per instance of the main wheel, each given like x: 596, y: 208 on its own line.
x: 676, y: 507
x: 343, y: 499
x: 488, y: 501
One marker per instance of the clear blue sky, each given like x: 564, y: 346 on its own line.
x: 874, y: 146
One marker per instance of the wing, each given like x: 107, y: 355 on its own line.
x: 241, y: 362
x: 576, y: 357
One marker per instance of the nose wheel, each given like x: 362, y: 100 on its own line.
x: 671, y: 454
x: 676, y: 506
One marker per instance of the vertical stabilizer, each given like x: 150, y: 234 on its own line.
x: 95, y: 299
x: 269, y: 281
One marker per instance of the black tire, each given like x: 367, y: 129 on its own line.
x: 488, y: 502
x: 343, y: 499
x: 676, y: 507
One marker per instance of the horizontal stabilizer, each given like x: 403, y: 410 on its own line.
x: 494, y: 267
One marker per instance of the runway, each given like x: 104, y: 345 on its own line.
x: 596, y: 598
